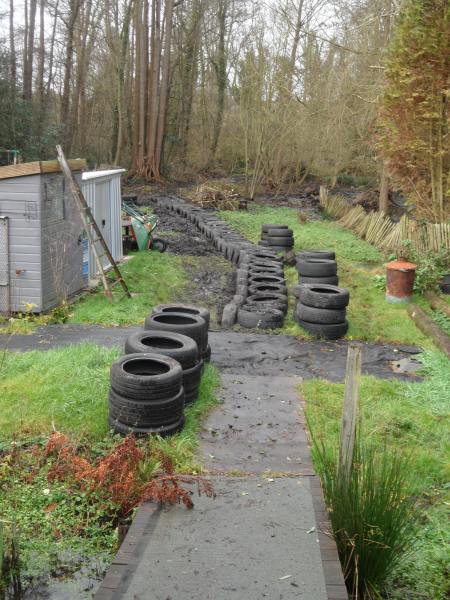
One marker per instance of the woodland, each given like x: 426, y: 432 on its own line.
x: 347, y: 91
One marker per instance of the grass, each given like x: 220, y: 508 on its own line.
x: 412, y: 420
x: 152, y: 278
x: 371, y: 318
x: 67, y: 389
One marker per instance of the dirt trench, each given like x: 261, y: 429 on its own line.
x: 210, y: 276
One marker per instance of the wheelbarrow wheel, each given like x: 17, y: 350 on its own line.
x: 158, y: 244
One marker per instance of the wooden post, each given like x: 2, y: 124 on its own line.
x: 350, y: 408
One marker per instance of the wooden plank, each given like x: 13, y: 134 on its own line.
x: 53, y: 166
x: 37, y: 167
x: 350, y: 409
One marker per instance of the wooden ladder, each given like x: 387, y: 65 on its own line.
x: 93, y: 231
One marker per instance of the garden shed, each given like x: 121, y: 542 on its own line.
x: 43, y: 247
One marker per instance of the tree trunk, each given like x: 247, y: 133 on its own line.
x: 220, y: 67
x: 164, y: 90
x: 28, y: 66
x: 188, y: 78
x: 153, y: 91
x: 41, y: 60
x: 13, y: 67
x: 52, y: 50
x: 137, y: 85
x: 124, y: 42
x: 12, y: 47
x: 294, y: 49
x: 68, y: 67
x: 384, y: 190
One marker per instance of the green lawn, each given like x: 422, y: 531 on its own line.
x: 410, y: 418
x: 152, y: 278
x: 371, y: 318
x: 67, y: 390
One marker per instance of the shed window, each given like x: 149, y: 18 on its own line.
x: 55, y: 190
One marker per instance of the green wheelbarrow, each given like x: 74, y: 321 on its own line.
x: 142, y: 229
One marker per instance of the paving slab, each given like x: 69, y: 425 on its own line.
x: 257, y: 428
x: 255, y: 540
x: 243, y: 352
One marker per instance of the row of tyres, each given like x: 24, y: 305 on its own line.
x: 261, y: 293
x: 321, y: 305
x: 160, y: 372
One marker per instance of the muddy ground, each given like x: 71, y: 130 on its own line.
x: 210, y: 275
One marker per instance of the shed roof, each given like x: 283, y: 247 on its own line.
x: 39, y: 166
x: 97, y: 174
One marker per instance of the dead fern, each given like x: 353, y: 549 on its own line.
x: 119, y: 476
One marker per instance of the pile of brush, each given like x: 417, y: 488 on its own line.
x: 213, y: 196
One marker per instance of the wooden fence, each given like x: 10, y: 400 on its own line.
x: 378, y: 229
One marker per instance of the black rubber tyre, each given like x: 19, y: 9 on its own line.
x: 267, y: 288
x: 265, y: 270
x: 264, y: 255
x: 317, y: 267
x: 158, y: 244
x: 191, y: 396
x: 333, y: 280
x: 163, y: 431
x: 266, y: 278
x: 192, y: 377
x: 191, y: 325
x: 146, y: 377
x: 264, y: 301
x: 307, y: 254
x: 281, y: 249
x: 263, y: 243
x: 296, y: 290
x: 280, y: 232
x: 268, y: 319
x: 207, y: 354
x: 323, y: 331
x: 189, y: 309
x: 324, y: 296
x: 265, y: 228
x: 179, y: 347
x: 280, y: 242
x: 146, y: 414
x: 255, y: 264
x: 319, y: 315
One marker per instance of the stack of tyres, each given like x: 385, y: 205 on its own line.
x: 263, y: 289
x: 189, y: 309
x: 321, y: 310
x: 277, y: 237
x: 146, y: 395
x: 315, y: 266
x: 179, y: 347
x: 187, y: 324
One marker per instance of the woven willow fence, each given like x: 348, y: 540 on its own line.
x: 378, y: 229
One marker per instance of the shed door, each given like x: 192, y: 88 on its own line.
x: 5, y: 304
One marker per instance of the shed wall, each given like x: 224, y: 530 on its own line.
x: 62, y: 252
x: 20, y: 201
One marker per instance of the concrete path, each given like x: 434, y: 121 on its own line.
x: 244, y: 352
x: 265, y: 535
